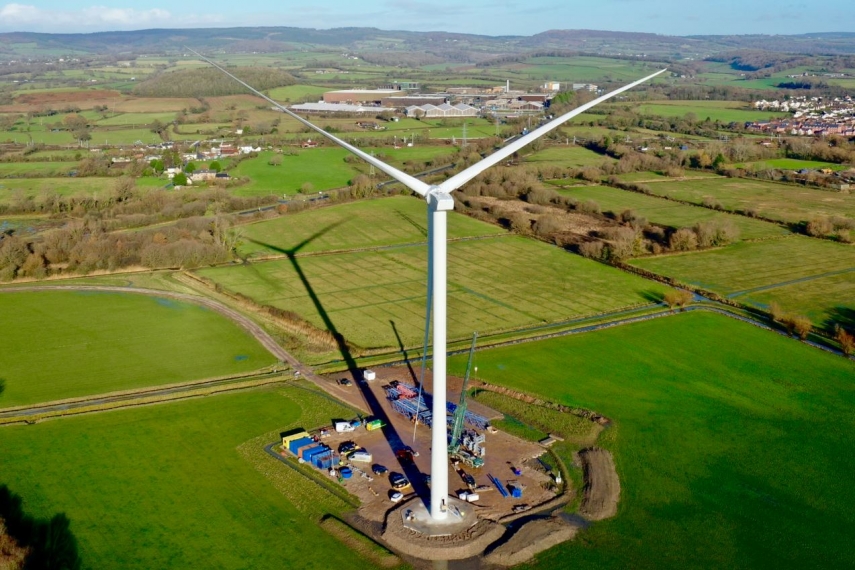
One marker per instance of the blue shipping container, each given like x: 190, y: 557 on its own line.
x: 316, y: 452
x: 295, y: 445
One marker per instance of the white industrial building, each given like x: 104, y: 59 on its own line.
x: 444, y: 110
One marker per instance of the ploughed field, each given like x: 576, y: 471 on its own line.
x: 732, y: 443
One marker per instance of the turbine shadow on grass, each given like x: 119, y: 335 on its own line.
x: 404, y: 353
x: 374, y: 405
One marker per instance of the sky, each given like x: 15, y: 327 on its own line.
x: 486, y: 17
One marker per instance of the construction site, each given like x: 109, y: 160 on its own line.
x: 383, y: 458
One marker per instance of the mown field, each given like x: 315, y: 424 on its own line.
x: 164, y: 486
x: 666, y: 212
x: 748, y: 269
x: 323, y: 168
x: 791, y: 164
x: 11, y: 188
x: 374, y: 223
x: 732, y: 443
x: 568, y: 157
x: 723, y: 111
x: 776, y: 201
x: 45, y: 169
x: 64, y: 344
x: 494, y: 284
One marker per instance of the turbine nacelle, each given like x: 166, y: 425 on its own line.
x: 439, y: 199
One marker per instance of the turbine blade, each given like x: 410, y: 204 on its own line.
x: 410, y: 182
x: 465, y: 176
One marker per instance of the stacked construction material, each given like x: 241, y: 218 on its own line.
x: 407, y: 402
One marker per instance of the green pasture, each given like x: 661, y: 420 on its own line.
x: 495, y: 284
x: 165, y: 487
x: 66, y: 186
x: 323, y: 168
x: 790, y: 164
x: 568, y: 156
x: 45, y: 169
x: 668, y: 213
x: 724, y: 111
x: 135, y: 119
x: 732, y: 443
x: 64, y: 344
x: 785, y: 202
x: 298, y: 93
x: 579, y: 69
x: 355, y: 225
x: 755, y: 272
x: 38, y: 137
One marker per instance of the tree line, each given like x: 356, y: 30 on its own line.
x: 210, y: 82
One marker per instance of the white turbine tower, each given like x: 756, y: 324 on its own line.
x: 439, y: 202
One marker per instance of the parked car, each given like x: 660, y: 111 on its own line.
x: 346, y: 447
x: 396, y: 496
x: 378, y: 469
x: 398, y: 481
x: 346, y: 382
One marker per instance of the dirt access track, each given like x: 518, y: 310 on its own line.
x: 602, y: 486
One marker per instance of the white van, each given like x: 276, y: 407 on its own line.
x: 361, y: 456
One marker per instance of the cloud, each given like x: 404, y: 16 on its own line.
x: 26, y: 16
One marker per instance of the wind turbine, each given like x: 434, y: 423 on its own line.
x: 439, y: 202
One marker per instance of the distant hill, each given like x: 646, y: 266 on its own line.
x: 448, y: 46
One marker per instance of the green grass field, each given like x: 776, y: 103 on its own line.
x: 724, y: 111
x: 293, y: 93
x: 494, y: 284
x: 164, y: 486
x: 666, y: 212
x: 323, y: 168
x: 568, y: 157
x: 373, y: 223
x: 732, y: 443
x: 66, y: 186
x: 135, y: 119
x: 745, y: 267
x: 776, y: 201
x: 64, y: 344
x: 45, y: 169
x: 791, y: 164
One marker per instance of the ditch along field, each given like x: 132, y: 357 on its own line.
x: 783, y: 202
x: 732, y: 443
x: 495, y: 284
x: 181, y: 484
x: 66, y: 344
x: 668, y: 213
x: 355, y: 225
x: 806, y: 275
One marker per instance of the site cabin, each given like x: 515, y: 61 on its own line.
x: 374, y: 424
x: 369, y: 375
x: 468, y: 496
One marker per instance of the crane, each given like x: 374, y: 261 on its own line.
x: 460, y: 412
